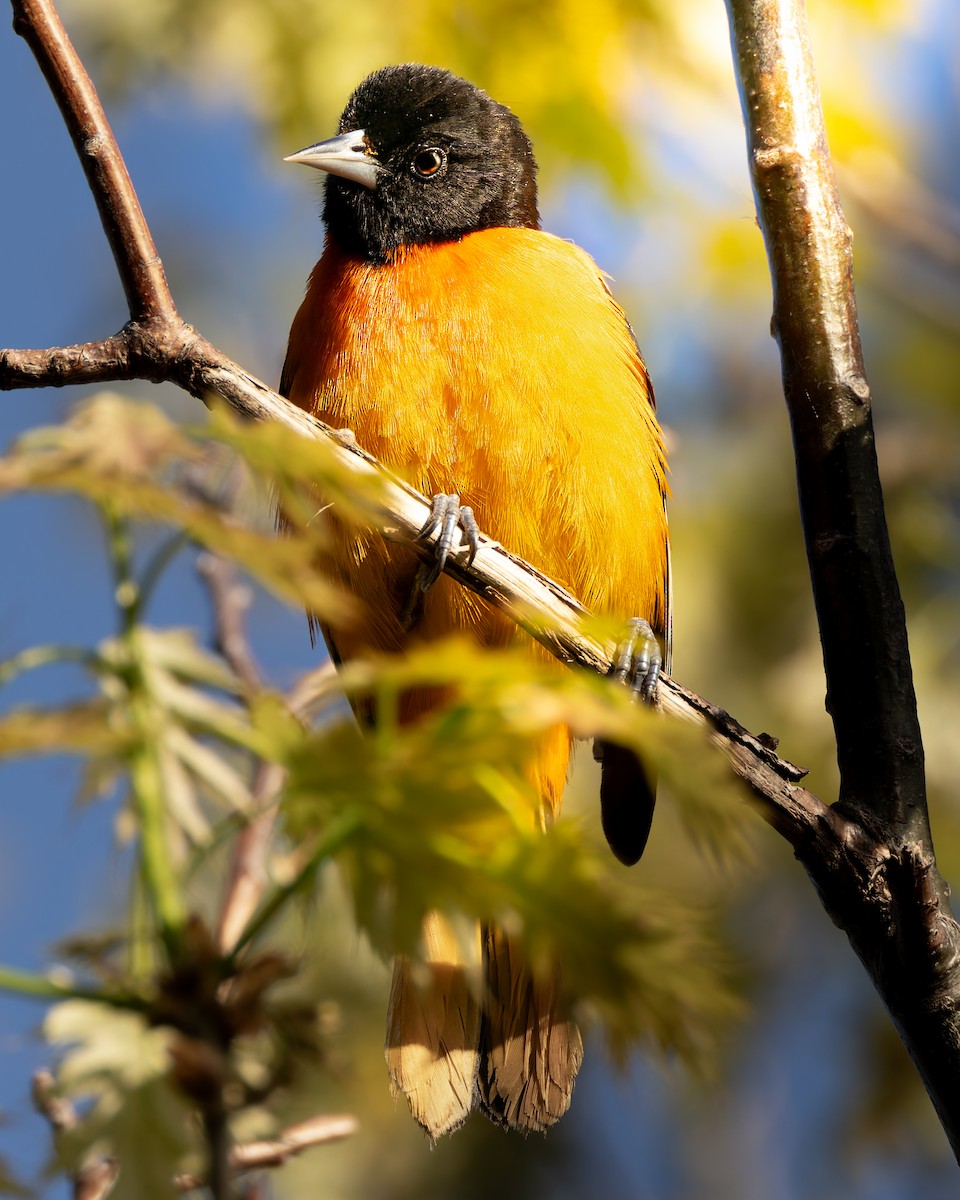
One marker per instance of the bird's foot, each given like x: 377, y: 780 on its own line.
x: 455, y: 524
x: 639, y: 660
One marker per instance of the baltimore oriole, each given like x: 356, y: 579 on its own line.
x: 479, y: 356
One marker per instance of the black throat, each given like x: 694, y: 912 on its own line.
x: 452, y: 161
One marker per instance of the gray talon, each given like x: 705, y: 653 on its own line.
x: 639, y: 661
x: 448, y: 518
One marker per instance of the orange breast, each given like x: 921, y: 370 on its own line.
x: 501, y: 368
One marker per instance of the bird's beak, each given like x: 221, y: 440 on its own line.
x: 349, y: 155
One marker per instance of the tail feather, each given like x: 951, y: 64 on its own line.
x: 530, y: 1050
x: 628, y: 793
x: 459, y: 1036
x: 433, y: 1030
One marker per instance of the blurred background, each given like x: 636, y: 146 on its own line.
x: 634, y: 115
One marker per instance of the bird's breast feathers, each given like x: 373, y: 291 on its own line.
x: 500, y: 367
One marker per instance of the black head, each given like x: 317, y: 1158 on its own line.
x: 423, y: 156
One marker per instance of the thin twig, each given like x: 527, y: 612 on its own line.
x: 229, y: 600
x: 131, y: 242
x: 248, y: 879
x: 257, y: 1156
x: 95, y: 1177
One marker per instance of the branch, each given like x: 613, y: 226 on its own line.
x: 248, y: 879
x: 255, y: 1156
x: 134, y: 252
x: 862, y: 627
x: 877, y: 876
x: 316, y: 1131
x: 115, y: 358
x: 229, y: 601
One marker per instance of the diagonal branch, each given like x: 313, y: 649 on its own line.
x: 131, y: 242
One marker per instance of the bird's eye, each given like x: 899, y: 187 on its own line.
x: 428, y: 162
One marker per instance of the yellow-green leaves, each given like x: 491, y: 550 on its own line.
x: 443, y: 815
x: 562, y: 66
x: 132, y: 459
x: 136, y: 1117
x: 582, y: 78
x: 83, y: 728
x: 198, y: 731
x: 440, y: 812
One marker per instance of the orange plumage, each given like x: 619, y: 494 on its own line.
x: 485, y: 358
x: 499, y: 367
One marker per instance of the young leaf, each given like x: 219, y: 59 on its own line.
x: 445, y: 816
x: 123, y: 1066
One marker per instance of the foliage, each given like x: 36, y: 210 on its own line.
x: 167, y: 1018
x: 124, y: 1065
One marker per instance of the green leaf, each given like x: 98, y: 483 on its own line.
x: 445, y: 817
x: 84, y: 728
x: 298, y: 468
x: 120, y: 1064
x: 126, y: 457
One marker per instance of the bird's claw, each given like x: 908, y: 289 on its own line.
x: 639, y: 660
x: 448, y: 519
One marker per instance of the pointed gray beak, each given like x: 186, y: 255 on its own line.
x: 349, y: 155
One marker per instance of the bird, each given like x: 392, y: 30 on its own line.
x: 478, y: 356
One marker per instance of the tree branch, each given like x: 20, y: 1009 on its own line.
x: 247, y: 880
x: 878, y: 880
x: 134, y: 252
x: 257, y: 1156
x: 862, y: 627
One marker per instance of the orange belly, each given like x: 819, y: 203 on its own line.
x: 498, y: 367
